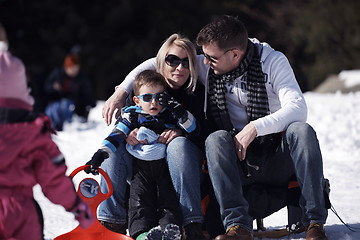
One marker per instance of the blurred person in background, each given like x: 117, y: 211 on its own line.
x: 68, y: 91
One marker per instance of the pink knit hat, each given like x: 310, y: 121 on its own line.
x: 13, y: 79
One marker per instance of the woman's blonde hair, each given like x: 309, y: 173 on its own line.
x: 183, y: 42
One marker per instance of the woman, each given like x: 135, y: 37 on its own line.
x: 176, y: 61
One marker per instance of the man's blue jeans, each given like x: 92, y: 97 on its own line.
x: 184, y: 160
x: 298, y: 154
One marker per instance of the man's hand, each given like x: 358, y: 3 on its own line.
x: 168, y: 135
x: 243, y: 140
x: 116, y: 101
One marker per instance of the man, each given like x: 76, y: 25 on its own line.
x: 261, y: 112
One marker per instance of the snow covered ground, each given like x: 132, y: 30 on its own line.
x: 336, y: 119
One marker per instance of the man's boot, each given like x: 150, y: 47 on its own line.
x: 236, y: 233
x: 315, y: 231
x: 115, y: 227
x: 193, y: 231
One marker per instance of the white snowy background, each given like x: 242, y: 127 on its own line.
x: 334, y: 116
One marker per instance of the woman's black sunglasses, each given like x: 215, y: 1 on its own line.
x: 174, y: 61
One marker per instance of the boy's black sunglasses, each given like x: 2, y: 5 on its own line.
x: 147, y: 97
x: 174, y: 61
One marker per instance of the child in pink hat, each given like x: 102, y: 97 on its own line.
x: 12, y: 75
x: 28, y: 157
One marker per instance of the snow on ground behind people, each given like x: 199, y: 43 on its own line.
x: 335, y: 117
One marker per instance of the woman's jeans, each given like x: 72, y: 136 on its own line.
x: 119, y: 168
x: 184, y: 159
x: 299, y: 153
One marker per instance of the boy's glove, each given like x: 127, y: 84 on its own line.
x: 83, y: 214
x: 166, y: 100
x: 96, y: 161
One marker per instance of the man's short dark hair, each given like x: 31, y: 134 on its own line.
x: 226, y: 31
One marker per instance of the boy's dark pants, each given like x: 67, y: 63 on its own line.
x: 153, y: 200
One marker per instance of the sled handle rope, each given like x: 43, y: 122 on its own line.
x: 331, y: 207
x: 352, y: 229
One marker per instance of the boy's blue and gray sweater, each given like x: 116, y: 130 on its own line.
x: 133, y: 117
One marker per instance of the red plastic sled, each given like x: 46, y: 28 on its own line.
x: 90, y: 192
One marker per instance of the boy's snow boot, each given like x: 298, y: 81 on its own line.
x: 172, y: 232
x: 141, y: 236
x: 193, y: 231
x: 154, y: 234
x: 115, y: 227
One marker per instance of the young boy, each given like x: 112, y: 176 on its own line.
x: 28, y: 156
x: 153, y: 200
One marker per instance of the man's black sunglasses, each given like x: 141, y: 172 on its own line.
x: 174, y: 61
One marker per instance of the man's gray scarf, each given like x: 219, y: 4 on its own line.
x: 262, y: 148
x: 257, y: 100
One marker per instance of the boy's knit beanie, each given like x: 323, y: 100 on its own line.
x: 71, y: 60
